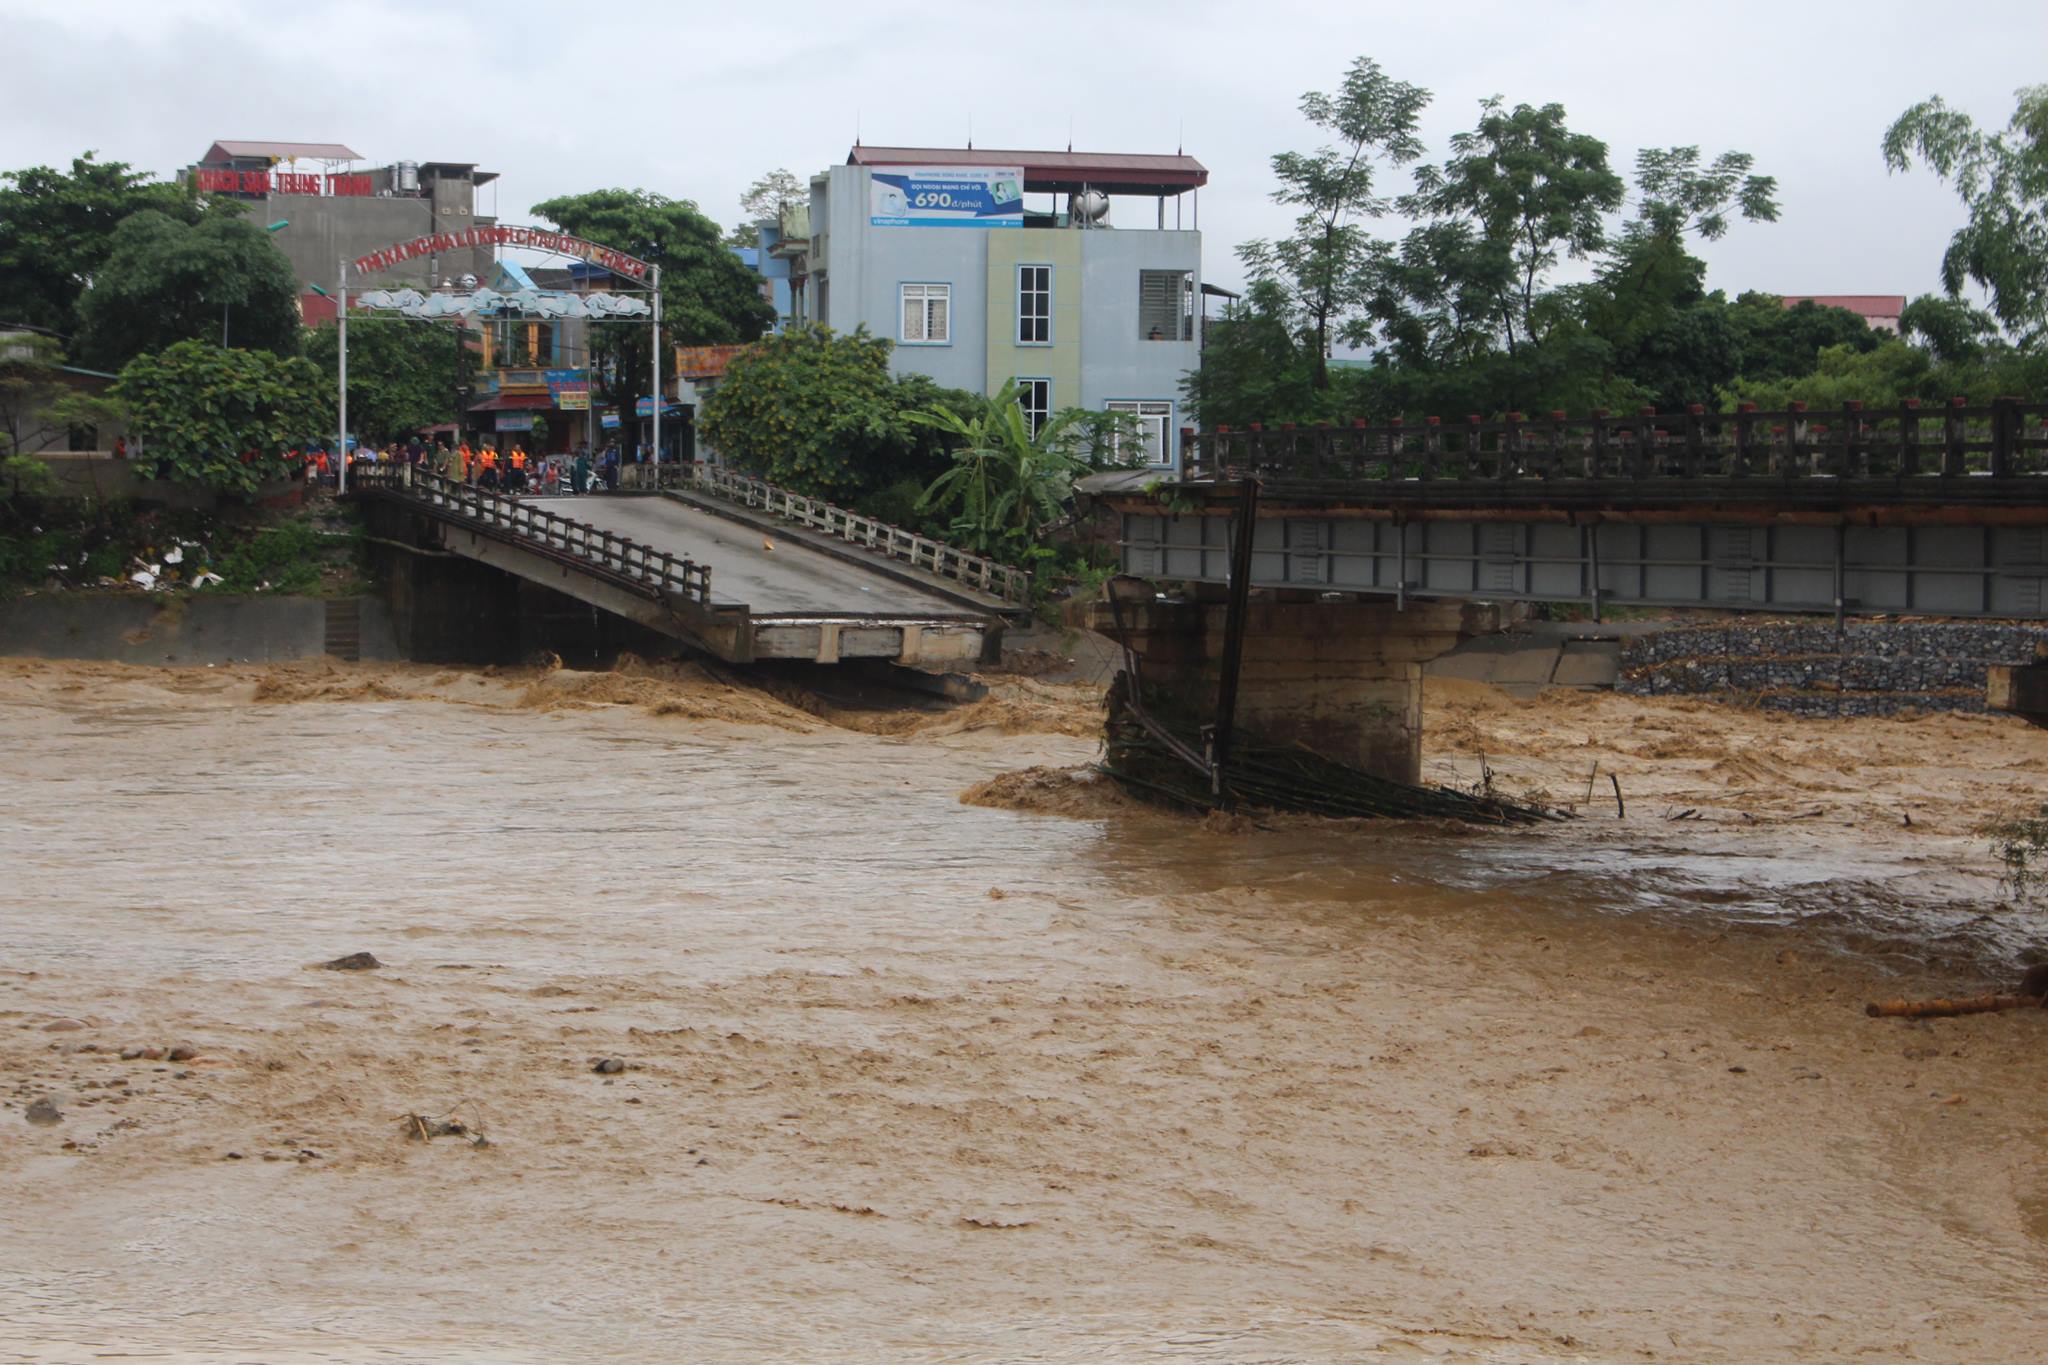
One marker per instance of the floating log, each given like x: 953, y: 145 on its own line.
x: 1942, y: 1009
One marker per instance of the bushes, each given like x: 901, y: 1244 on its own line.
x: 80, y: 544
x: 224, y: 419
x: 819, y: 413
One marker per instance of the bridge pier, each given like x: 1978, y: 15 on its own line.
x: 449, y: 609
x: 1343, y: 678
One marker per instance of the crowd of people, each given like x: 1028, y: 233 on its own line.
x: 503, y: 467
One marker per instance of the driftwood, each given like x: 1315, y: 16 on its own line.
x: 1942, y: 1009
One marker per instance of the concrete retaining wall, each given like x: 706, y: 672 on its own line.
x: 180, y: 628
x: 97, y: 475
x: 1871, y: 668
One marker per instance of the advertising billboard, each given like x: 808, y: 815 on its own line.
x: 570, y: 389
x: 947, y: 196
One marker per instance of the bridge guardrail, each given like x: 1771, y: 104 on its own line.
x: 620, y: 555
x: 2006, y: 439
x: 893, y: 542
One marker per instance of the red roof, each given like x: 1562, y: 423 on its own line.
x: 1863, y: 305
x: 1056, y: 172
x: 283, y: 151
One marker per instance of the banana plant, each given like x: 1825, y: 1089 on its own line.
x: 1007, y: 484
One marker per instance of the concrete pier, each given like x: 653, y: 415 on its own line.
x: 1343, y: 678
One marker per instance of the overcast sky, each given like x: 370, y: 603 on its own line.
x: 694, y: 101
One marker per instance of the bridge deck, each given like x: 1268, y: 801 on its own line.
x: 789, y: 580
x: 734, y: 590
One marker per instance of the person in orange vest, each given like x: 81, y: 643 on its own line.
x: 488, y: 457
x: 518, y: 462
x: 467, y: 457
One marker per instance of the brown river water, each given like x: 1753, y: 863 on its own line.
x: 1048, y: 1076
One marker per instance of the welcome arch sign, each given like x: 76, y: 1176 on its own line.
x: 641, y: 273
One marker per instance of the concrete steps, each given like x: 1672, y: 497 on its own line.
x: 344, y: 629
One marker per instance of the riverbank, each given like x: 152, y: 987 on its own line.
x: 907, y: 1078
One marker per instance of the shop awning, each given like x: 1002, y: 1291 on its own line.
x: 515, y: 402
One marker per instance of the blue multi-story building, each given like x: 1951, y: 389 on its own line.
x: 1076, y: 274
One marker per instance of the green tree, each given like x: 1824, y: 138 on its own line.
x: 1525, y: 191
x: 818, y: 412
x: 1007, y: 484
x: 23, y: 478
x: 1465, y: 315
x: 57, y: 229
x: 1318, y: 268
x: 708, y: 297
x: 1461, y: 313
x: 167, y: 281
x: 1785, y: 343
x: 1877, y: 377
x: 30, y: 382
x: 2002, y: 179
x: 766, y: 199
x: 402, y: 374
x: 223, y: 418
x: 1670, y: 338
x: 1955, y: 332
x: 1255, y: 366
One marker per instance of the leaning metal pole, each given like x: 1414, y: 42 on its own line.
x: 1233, y: 636
x: 341, y: 365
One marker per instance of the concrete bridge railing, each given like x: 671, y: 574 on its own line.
x: 1907, y: 453
x: 655, y: 572
x: 893, y: 542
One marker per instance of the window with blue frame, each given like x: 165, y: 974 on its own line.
x: 1034, y: 305
x: 1151, y: 420
x: 927, y: 314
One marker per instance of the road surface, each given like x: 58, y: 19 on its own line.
x: 788, y: 580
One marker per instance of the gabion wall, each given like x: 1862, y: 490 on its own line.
x: 1872, y: 668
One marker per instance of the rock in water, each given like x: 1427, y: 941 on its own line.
x: 44, y: 1113
x: 607, y: 1066
x: 354, y: 962
x: 183, y: 1052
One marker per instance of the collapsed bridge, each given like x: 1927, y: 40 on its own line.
x: 776, y: 581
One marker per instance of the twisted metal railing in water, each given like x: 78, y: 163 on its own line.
x: 1167, y: 761
x: 1215, y: 765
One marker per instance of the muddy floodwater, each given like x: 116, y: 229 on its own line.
x: 1047, y: 1076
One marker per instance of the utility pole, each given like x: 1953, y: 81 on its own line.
x: 657, y: 377
x: 341, y: 364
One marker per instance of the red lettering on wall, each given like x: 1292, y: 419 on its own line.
x: 538, y: 238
